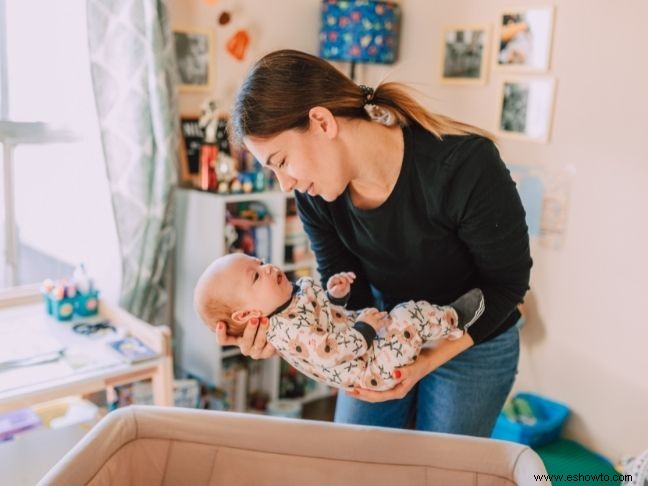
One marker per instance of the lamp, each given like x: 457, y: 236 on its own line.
x: 359, y: 31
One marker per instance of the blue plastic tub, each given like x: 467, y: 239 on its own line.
x: 550, y: 416
x: 87, y: 304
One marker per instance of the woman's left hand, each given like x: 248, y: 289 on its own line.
x: 409, y: 376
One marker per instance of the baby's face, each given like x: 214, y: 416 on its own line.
x: 256, y: 285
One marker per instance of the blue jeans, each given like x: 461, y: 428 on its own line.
x: 464, y: 396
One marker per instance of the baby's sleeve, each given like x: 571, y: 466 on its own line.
x: 338, y: 301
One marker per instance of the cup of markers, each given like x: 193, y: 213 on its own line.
x: 64, y: 299
x: 60, y: 297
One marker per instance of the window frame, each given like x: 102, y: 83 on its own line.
x: 13, y: 134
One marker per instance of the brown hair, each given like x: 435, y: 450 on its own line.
x: 211, y: 310
x: 281, y: 88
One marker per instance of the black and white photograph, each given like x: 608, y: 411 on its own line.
x: 525, y: 110
x: 524, y: 39
x: 464, y: 56
x: 193, y: 50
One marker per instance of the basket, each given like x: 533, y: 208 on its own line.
x: 550, y: 418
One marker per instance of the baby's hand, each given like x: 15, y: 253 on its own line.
x: 339, y: 285
x: 374, y: 318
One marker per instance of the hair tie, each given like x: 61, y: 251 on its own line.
x: 367, y: 94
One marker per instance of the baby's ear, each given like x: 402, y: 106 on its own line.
x: 242, y: 316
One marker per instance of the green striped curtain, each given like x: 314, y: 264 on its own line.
x: 133, y: 76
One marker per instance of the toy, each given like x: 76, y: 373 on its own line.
x: 235, y: 186
x: 223, y: 187
x: 248, y: 186
x: 225, y: 168
x: 208, y: 121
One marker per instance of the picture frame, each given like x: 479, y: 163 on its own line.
x: 464, y: 54
x: 526, y: 108
x: 524, y: 39
x: 191, y: 139
x: 194, y: 50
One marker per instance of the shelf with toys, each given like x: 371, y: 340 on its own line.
x: 264, y: 224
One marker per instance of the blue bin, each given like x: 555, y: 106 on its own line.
x: 551, y: 417
x: 63, y: 309
x: 87, y: 304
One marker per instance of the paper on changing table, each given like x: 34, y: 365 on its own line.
x: 16, y: 347
x: 29, y: 330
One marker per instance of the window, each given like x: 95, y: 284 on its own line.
x: 56, y: 203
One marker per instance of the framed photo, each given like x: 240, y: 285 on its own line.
x: 525, y: 108
x: 464, y: 54
x: 194, y: 53
x: 524, y: 39
x: 191, y: 139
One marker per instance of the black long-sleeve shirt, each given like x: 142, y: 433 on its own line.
x: 454, y: 221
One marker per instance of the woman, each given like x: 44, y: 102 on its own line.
x: 418, y: 205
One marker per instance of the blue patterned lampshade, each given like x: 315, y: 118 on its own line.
x: 359, y: 31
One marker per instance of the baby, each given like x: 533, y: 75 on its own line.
x: 311, y: 329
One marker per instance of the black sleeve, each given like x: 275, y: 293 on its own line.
x: 367, y: 331
x: 484, y: 203
x: 331, y: 254
x: 341, y: 301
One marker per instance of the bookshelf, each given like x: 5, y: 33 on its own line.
x: 201, y: 219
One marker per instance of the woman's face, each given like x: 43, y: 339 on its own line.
x: 309, y: 161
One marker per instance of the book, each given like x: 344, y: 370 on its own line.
x: 132, y: 349
x: 17, y: 421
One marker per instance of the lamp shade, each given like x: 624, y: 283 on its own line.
x: 359, y: 31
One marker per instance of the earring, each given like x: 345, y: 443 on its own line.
x: 379, y: 114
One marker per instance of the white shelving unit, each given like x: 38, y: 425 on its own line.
x: 200, y: 223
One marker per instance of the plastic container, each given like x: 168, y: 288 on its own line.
x: 62, y: 309
x: 551, y: 417
x: 87, y: 304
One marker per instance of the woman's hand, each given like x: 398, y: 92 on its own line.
x: 253, y: 342
x: 408, y: 376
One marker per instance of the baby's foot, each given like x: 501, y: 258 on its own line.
x: 469, y: 307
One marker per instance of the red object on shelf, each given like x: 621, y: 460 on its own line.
x: 208, y: 155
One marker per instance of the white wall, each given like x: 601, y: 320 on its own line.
x: 587, y: 332
x: 272, y: 25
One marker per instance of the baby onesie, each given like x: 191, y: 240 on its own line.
x: 326, y: 342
